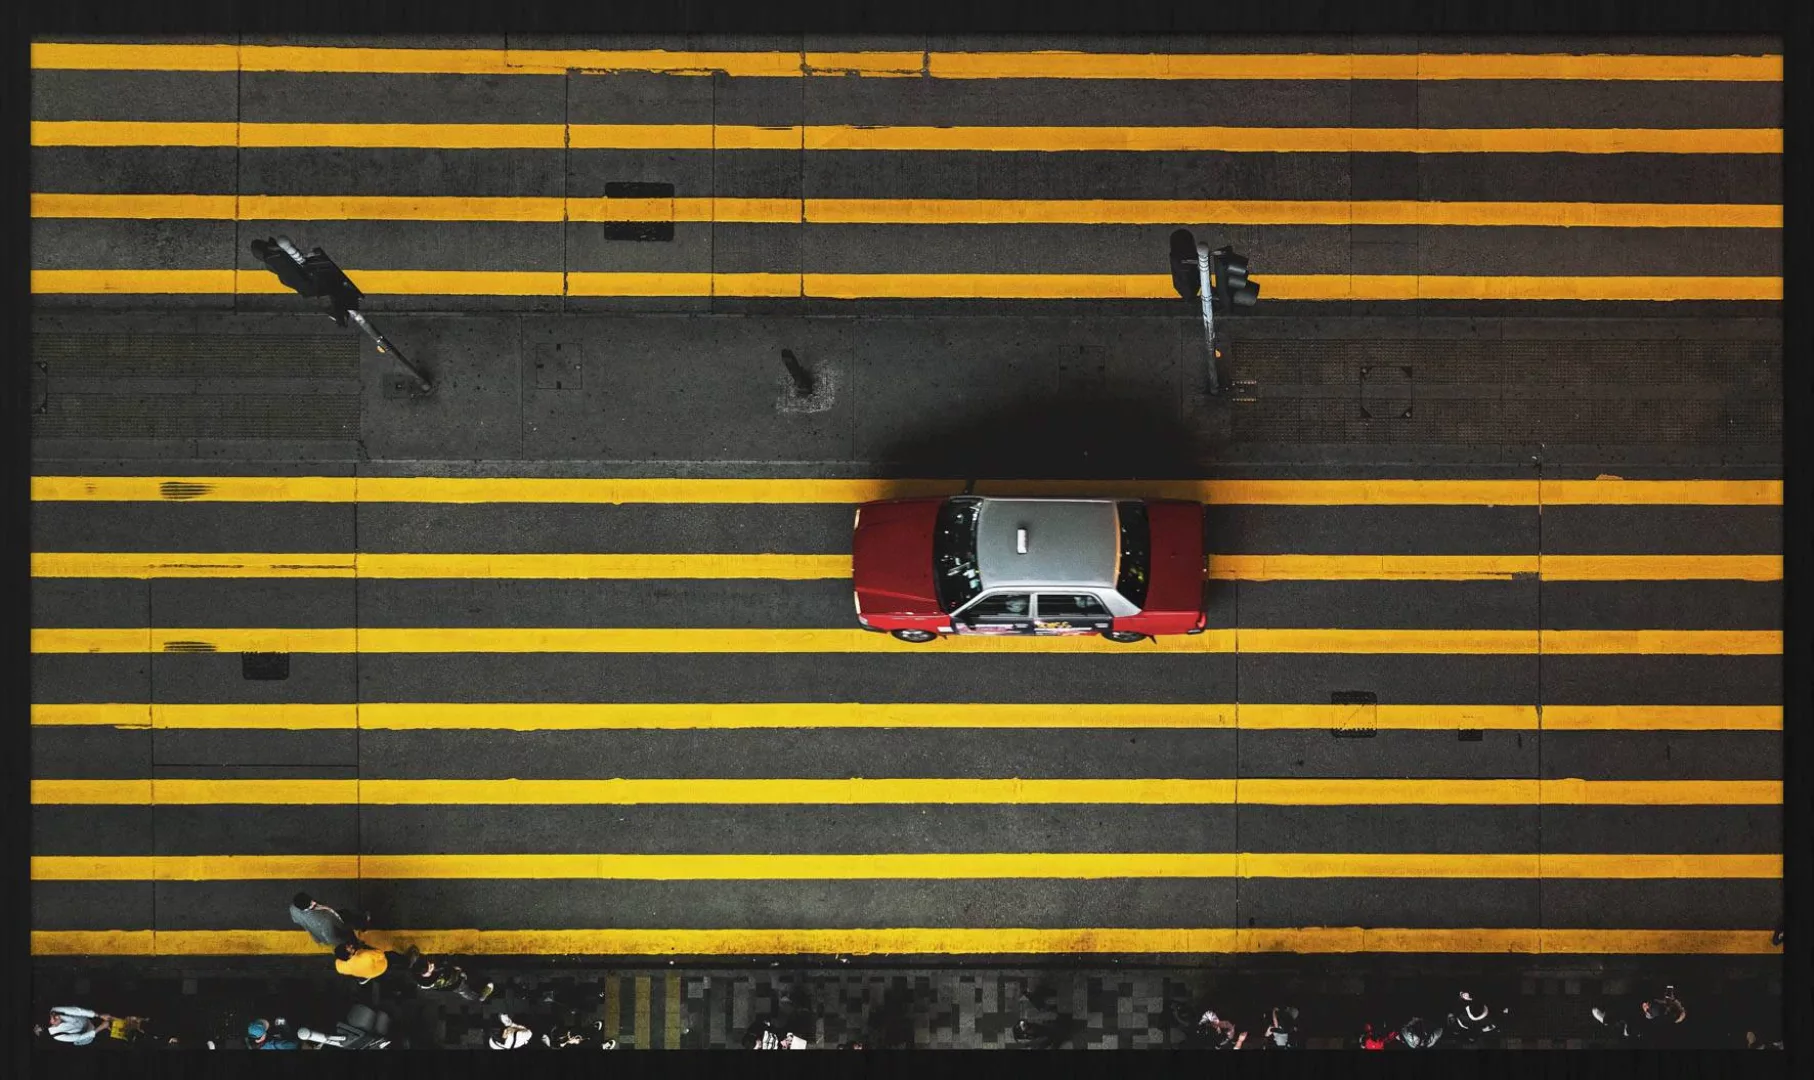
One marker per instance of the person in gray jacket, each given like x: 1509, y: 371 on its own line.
x: 323, y: 923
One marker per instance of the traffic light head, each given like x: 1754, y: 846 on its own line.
x: 1231, y: 279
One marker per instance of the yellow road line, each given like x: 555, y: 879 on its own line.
x: 670, y: 1011
x: 789, y: 567
x: 1671, y: 642
x: 588, y: 716
x: 1065, y: 139
x: 1615, y: 491
x: 1663, y: 717
x: 486, y: 639
x: 1495, y: 567
x: 639, y: 1030
x: 858, y: 791
x: 1661, y: 567
x: 921, y: 941
x: 576, y: 566
x: 945, y: 65
x: 937, y: 866
x: 905, y: 211
x: 915, y: 286
x: 1260, y: 492
x: 614, y: 1007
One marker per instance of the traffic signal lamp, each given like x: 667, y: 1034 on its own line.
x: 1231, y: 279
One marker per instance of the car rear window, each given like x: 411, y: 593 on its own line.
x: 954, y: 569
x: 1136, y: 552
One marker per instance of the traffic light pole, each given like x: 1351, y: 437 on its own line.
x: 1209, y: 317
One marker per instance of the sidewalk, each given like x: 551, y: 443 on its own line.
x: 673, y: 1008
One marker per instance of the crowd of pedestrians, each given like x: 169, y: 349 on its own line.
x: 1467, y: 1018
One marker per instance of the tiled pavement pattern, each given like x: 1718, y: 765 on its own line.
x: 938, y: 1009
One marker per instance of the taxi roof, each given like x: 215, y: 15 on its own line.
x: 1069, y: 542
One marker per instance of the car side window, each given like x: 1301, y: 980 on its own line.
x: 1070, y: 606
x: 1005, y: 606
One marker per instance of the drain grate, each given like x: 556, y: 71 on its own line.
x: 656, y: 201
x: 265, y: 665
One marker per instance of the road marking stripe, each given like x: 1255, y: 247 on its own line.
x: 369, y: 565
x: 921, y: 941
x: 858, y: 791
x: 906, y: 211
x: 947, y: 65
x: 933, y: 866
x: 1663, y: 717
x: 449, y: 489
x: 670, y: 1011
x: 915, y: 286
x: 566, y: 639
x: 588, y: 716
x: 639, y: 1030
x: 787, y: 567
x: 969, y: 138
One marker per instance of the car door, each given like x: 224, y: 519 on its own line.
x: 997, y: 614
x: 1070, y: 613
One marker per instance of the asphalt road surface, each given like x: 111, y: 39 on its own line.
x: 561, y: 660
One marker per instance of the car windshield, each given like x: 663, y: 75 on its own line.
x: 1136, y: 553
x: 954, y: 553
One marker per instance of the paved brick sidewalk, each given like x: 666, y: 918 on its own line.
x: 1127, y: 1008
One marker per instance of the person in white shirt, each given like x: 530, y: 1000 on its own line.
x: 76, y: 1025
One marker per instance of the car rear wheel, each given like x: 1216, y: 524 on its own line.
x: 915, y: 636
x: 1126, y: 637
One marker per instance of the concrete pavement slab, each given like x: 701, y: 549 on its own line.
x: 1593, y: 680
x: 854, y: 830
x: 69, y: 677
x: 136, y: 96
x: 1662, y: 829
x: 1619, y: 755
x: 219, y: 678
x: 1460, y: 680
x: 698, y: 677
x: 794, y: 752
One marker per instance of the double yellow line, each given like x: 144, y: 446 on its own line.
x: 917, y: 64
x: 726, y: 137
x: 932, y: 866
x: 924, y: 941
x: 444, y: 639
x: 577, y: 566
x: 862, y: 791
x: 1605, y: 491
x: 640, y: 716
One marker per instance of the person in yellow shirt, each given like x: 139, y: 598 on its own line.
x: 360, y: 960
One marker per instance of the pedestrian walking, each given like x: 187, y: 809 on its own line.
x: 270, y: 1035
x: 1282, y: 1030
x: 1047, y: 1035
x: 1210, y: 1030
x: 1651, y: 1018
x: 763, y: 1035
x: 1473, y: 1018
x: 75, y: 1025
x: 509, y: 1035
x: 1416, y: 1034
x: 325, y: 926
x: 442, y: 976
x: 361, y: 961
x: 1380, y: 1040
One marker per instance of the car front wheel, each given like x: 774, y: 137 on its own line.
x: 915, y: 636
x: 1126, y: 637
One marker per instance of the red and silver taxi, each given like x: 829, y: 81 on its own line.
x: 1126, y: 569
